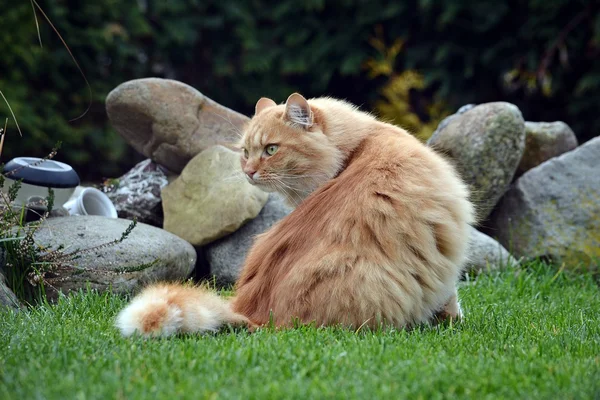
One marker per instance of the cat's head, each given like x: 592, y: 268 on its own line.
x: 286, y: 148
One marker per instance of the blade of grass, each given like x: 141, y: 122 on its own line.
x: 37, y: 25
x: 12, y: 239
x: 2, y: 138
x: 22, y: 215
x: 72, y: 57
x: 11, y: 111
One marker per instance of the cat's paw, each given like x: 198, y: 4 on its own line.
x: 452, y: 312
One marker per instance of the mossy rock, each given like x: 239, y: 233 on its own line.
x: 553, y: 210
x: 543, y: 141
x: 486, y: 143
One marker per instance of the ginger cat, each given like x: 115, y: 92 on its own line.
x: 379, y: 234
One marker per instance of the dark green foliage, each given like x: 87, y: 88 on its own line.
x: 541, y: 55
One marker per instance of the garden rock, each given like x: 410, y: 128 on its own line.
x: 543, y: 141
x: 137, y: 193
x: 7, y: 297
x: 169, y: 121
x: 210, y: 199
x: 486, y: 142
x: 226, y: 256
x: 486, y: 254
x: 58, y: 212
x: 553, y: 210
x: 449, y: 118
x: 148, y: 254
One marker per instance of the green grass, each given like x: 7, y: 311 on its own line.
x: 532, y: 333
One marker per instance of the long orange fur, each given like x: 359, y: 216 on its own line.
x: 379, y: 234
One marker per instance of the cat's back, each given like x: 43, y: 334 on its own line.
x: 391, y: 160
x: 387, y: 173
x: 394, y: 219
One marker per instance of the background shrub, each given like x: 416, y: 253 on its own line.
x: 413, y: 61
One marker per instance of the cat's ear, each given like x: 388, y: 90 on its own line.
x: 297, y: 111
x: 263, y: 104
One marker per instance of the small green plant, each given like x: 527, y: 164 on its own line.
x: 16, y: 236
x: 29, y: 267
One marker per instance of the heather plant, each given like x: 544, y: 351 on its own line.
x: 28, y: 267
x: 23, y: 260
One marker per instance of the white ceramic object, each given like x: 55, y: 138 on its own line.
x: 91, y: 201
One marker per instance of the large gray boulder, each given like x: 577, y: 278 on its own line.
x: 148, y: 254
x: 211, y: 198
x: 226, y: 256
x: 553, y: 210
x: 486, y: 142
x: 137, y: 193
x: 543, y: 141
x: 169, y: 121
x: 486, y: 254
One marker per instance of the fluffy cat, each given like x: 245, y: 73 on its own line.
x: 378, y: 236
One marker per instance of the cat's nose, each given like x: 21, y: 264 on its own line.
x: 250, y: 173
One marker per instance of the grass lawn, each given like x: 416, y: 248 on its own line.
x: 532, y: 333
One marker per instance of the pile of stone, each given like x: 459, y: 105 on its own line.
x: 536, y: 191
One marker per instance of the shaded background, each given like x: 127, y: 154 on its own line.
x: 411, y: 62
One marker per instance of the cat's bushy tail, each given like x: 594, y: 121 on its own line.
x: 167, y: 309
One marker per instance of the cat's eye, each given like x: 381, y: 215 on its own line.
x: 271, y: 149
x: 246, y: 153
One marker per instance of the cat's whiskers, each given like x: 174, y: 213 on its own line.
x: 296, y: 195
x: 285, y: 173
x: 305, y: 184
x: 237, y: 130
x: 274, y: 178
x: 234, y: 177
x: 318, y: 178
x: 281, y: 190
x: 290, y: 176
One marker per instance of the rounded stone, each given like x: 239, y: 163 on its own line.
x: 486, y: 254
x: 148, y: 254
x: 170, y: 122
x: 226, y: 256
x: 8, y: 300
x: 210, y: 199
x: 486, y: 143
x: 553, y: 210
x: 543, y: 141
